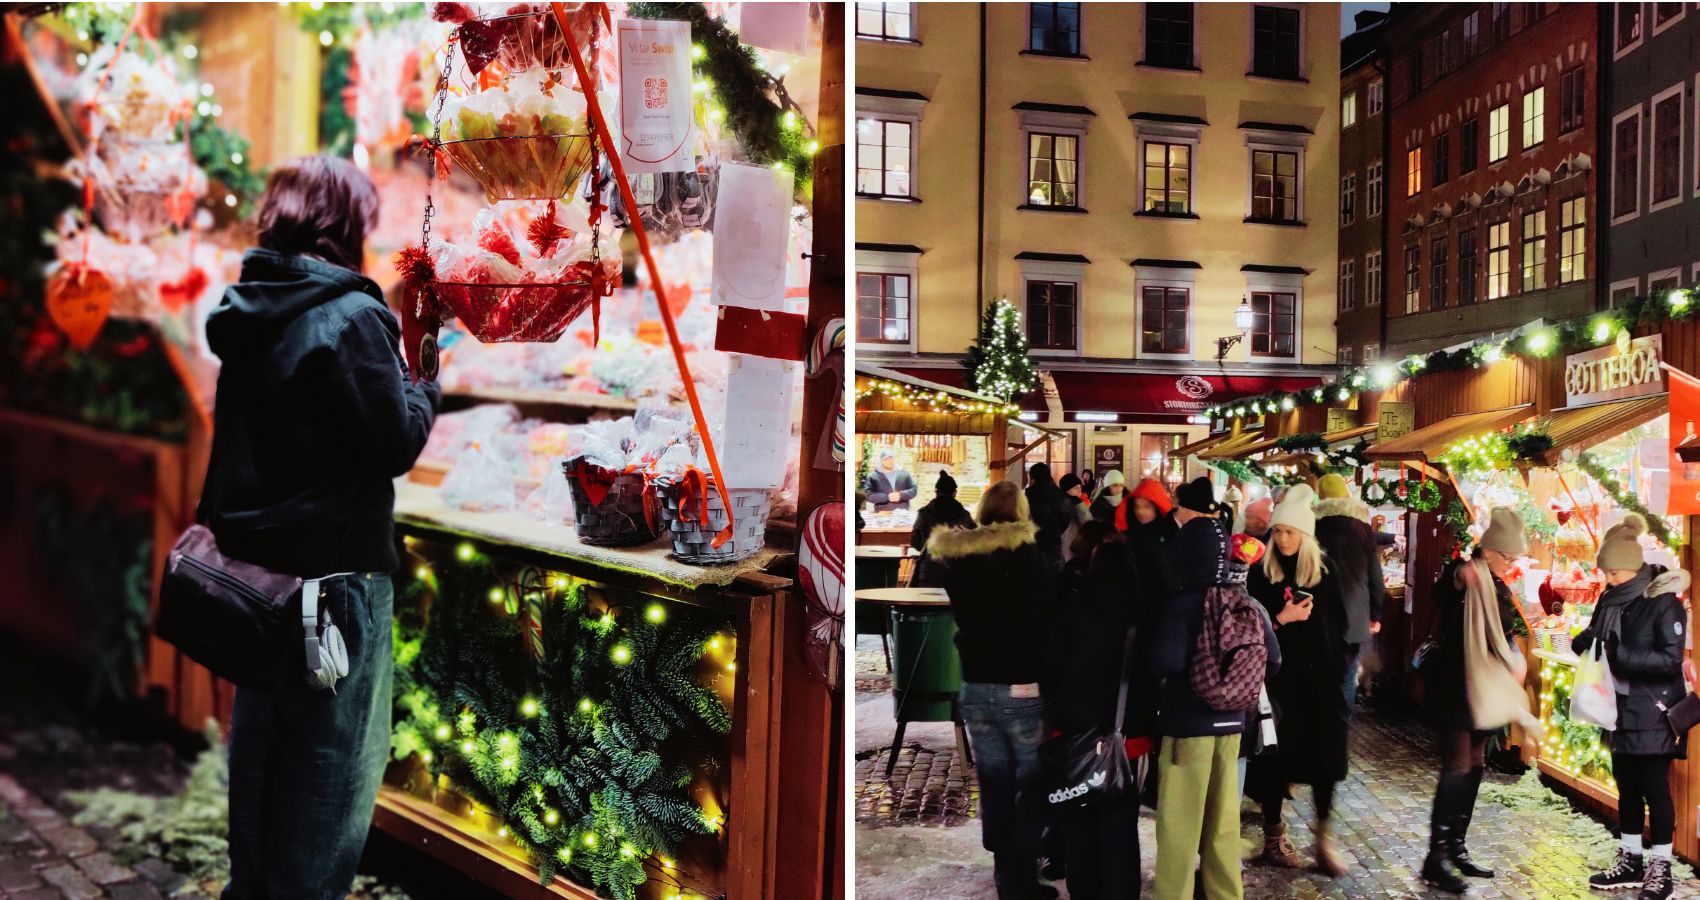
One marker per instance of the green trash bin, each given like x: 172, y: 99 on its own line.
x: 926, y: 672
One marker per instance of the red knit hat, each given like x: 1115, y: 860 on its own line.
x: 1152, y: 490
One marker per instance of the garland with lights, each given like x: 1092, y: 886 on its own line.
x: 934, y: 400
x: 997, y: 363
x: 1247, y: 471
x: 1656, y: 525
x: 1675, y: 305
x: 561, y: 713
x: 1573, y: 746
x: 771, y: 131
x: 1496, y: 450
x: 1456, y: 519
x: 1413, y: 494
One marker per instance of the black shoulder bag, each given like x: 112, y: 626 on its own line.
x: 1090, y: 769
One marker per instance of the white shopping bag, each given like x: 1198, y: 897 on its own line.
x: 1593, y: 699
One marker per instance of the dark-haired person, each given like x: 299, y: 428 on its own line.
x: 1051, y: 511
x: 998, y: 584
x: 943, y: 511
x: 315, y: 417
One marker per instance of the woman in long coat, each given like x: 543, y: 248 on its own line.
x: 1302, y: 596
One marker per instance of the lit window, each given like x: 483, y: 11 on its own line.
x: 882, y: 308
x: 1052, y: 169
x: 883, y: 150
x: 1274, y: 186
x: 1168, y: 177
x: 1499, y: 260
x: 1572, y: 240
x: 1499, y: 133
x: 1534, y: 117
x: 1413, y: 171
x: 885, y: 21
x: 1348, y: 110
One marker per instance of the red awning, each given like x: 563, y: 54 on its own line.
x: 1139, y: 396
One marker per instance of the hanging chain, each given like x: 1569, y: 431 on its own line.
x: 597, y: 182
x: 436, y: 145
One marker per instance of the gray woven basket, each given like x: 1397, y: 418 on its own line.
x: 619, y: 520
x: 693, y: 542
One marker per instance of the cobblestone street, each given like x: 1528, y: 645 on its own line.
x: 915, y: 835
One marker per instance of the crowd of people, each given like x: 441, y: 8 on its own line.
x: 1096, y: 611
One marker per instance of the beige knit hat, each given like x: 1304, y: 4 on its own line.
x: 1295, y: 511
x: 1504, y: 532
x: 1621, y: 547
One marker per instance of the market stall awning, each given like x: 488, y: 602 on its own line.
x: 1426, y: 444
x: 880, y: 413
x: 1186, y: 450
x: 1233, y: 447
x: 1133, y: 397
x: 1330, y: 440
x: 1585, y: 426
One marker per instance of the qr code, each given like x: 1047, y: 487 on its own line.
x: 654, y: 93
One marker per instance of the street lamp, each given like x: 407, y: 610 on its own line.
x: 1244, y: 318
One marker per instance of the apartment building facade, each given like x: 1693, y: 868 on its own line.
x: 1651, y: 176
x: 1131, y: 176
x: 1363, y: 190
x: 1492, y: 169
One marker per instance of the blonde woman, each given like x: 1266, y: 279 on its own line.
x: 1300, y: 589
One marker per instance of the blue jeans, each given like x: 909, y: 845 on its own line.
x: 1005, y: 733
x: 305, y: 764
x: 1354, y: 655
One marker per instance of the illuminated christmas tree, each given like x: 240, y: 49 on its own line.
x: 997, y: 360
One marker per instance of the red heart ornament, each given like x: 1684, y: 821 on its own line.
x: 78, y: 301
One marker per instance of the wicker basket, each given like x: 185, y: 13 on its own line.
x: 499, y: 313
x: 1553, y: 640
x: 622, y: 518
x: 523, y: 167
x: 693, y: 539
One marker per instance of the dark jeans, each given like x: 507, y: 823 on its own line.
x: 1005, y: 733
x: 1354, y: 655
x: 1643, y: 795
x: 305, y: 763
x: 1102, y: 847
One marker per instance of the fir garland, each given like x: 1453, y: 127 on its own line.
x: 576, y: 748
x: 770, y: 133
x: 1416, y: 495
x: 1457, y: 522
x: 997, y: 363
x: 1656, y: 525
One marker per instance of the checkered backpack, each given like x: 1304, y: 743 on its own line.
x: 1230, y: 659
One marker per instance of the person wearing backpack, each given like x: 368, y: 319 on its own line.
x: 1198, y: 759
x: 1098, y: 613
x: 999, y: 581
x: 1298, y: 586
x: 1640, y: 620
x: 1472, y: 683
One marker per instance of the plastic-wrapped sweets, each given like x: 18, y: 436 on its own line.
x: 527, y: 103
x: 511, y: 253
x: 520, y: 36
x: 139, y: 96
x: 453, y: 432
x: 486, y: 475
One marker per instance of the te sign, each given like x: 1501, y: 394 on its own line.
x: 1615, y: 373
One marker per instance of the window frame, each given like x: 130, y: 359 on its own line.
x: 1618, y: 157
x: 1621, y: 50
x: 1375, y: 181
x: 1036, y: 270
x: 1652, y: 139
x: 1632, y: 285
x: 1346, y: 294
x: 1672, y: 274
x: 885, y: 122
x: 1168, y: 279
x: 1192, y: 42
x: 1413, y: 171
x: 1496, y: 34
x: 1467, y: 294
x: 1660, y: 27
x: 1536, y: 242
x: 1145, y: 140
x: 1538, y: 119
x: 1343, y: 356
x: 1348, y: 110
x: 1411, y: 288
x: 1273, y: 286
x: 1437, y: 266
x: 1504, y: 135
x: 1373, y: 267
x: 1348, y: 199
x: 1051, y: 123
x: 893, y: 109
x: 1579, y: 243
x: 884, y: 12
x: 1079, y: 32
x: 1504, y: 274
x: 1375, y: 97
x: 883, y: 263
x: 1300, y: 60
x: 1471, y: 31
x: 1372, y: 352
x: 1576, y: 74
x: 1469, y: 144
x: 1442, y: 158
x: 1275, y: 142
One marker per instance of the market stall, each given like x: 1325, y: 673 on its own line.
x: 617, y: 622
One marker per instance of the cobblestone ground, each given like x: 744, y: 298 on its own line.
x: 916, y: 835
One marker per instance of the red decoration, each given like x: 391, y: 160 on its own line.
x: 775, y: 335
x: 544, y: 233
x: 497, y: 240
x: 174, y: 295
x: 78, y: 300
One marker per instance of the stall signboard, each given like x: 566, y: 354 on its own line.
x: 1615, y: 373
x: 1106, y: 457
x: 1396, y: 418
x: 655, y: 95
x: 1342, y: 420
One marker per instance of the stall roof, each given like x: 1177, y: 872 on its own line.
x: 1328, y: 440
x: 1187, y: 450
x: 900, y: 378
x: 1429, y: 442
x: 1232, y: 447
x: 1585, y: 426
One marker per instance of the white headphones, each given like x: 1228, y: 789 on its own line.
x: 327, y: 655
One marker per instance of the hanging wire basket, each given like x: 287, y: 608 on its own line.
x: 522, y: 41
x: 502, y: 313
x: 524, y: 167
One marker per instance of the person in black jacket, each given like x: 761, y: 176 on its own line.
x: 1639, y: 621
x: 1198, y: 761
x: 1354, y: 553
x: 1446, y: 696
x: 1112, y: 491
x: 1099, y: 616
x: 998, y: 584
x: 943, y: 511
x: 315, y: 418
x: 889, y: 486
x: 1051, y: 511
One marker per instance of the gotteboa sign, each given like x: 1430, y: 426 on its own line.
x: 1629, y: 369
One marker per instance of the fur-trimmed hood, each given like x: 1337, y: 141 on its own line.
x: 956, y: 543
x: 1342, y: 506
x: 1671, y: 581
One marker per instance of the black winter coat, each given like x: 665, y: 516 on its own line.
x: 1000, y: 591
x: 1311, y: 715
x: 1198, y: 561
x: 1083, y: 661
x: 1646, y: 663
x: 1342, y: 529
x: 1149, y: 544
x: 1104, y: 506
x: 315, y: 417
x: 1052, y: 511
x: 940, y: 512
x: 1444, y: 694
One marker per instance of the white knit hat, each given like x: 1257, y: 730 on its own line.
x: 1295, y: 510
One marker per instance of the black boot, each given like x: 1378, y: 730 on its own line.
x: 1461, y: 832
x: 1437, y: 868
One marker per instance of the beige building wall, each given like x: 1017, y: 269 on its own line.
x: 944, y: 66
